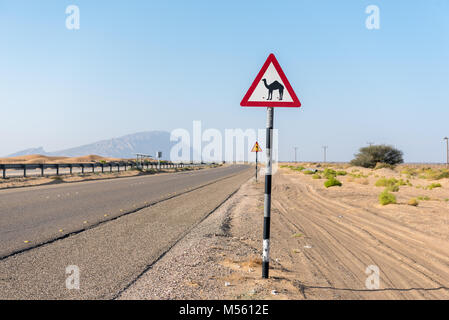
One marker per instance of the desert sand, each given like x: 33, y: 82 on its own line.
x: 322, y: 242
x: 37, y: 158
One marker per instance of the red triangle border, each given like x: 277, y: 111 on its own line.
x: 293, y: 104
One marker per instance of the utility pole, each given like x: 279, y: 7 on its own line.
x: 325, y: 148
x: 296, y: 148
x: 447, y: 150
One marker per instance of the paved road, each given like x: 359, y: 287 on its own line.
x: 112, y: 255
x: 40, y: 214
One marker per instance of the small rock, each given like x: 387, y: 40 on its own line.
x: 252, y: 291
x: 227, y: 284
x: 308, y: 247
x: 274, y: 292
x: 250, y: 270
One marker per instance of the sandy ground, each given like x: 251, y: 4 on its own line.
x: 322, y: 242
x: 37, y: 158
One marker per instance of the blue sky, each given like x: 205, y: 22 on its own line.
x: 158, y: 65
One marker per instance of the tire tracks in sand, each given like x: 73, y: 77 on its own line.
x: 345, y: 239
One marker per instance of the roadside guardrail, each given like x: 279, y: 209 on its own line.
x: 108, y: 166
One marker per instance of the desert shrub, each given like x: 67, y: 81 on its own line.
x: 386, y: 198
x: 329, y: 173
x: 308, y: 172
x: 437, y: 174
x: 341, y: 173
x: 358, y: 175
x: 384, y: 182
x: 432, y: 174
x: 368, y: 157
x: 393, y: 188
x: 413, y: 202
x: 424, y: 198
x: 409, y: 171
x: 316, y: 176
x: 433, y: 186
x: 331, y: 182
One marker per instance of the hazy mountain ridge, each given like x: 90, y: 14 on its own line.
x: 127, y: 146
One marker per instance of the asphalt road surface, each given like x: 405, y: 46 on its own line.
x: 145, y: 216
x: 37, y: 214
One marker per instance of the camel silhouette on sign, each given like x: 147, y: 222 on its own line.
x: 276, y: 85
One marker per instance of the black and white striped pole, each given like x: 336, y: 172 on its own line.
x: 267, y: 199
x: 257, y: 96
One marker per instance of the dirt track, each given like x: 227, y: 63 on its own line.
x: 346, y: 238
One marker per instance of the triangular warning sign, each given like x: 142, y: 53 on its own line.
x: 256, y: 148
x: 271, y: 88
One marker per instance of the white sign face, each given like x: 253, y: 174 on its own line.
x: 270, y: 88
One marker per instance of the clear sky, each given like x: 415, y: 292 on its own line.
x: 158, y: 65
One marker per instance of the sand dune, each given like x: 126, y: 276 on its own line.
x: 37, y: 158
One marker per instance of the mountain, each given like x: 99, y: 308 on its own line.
x: 30, y: 151
x: 123, y: 147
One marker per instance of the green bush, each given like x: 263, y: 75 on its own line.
x: 316, y: 176
x: 329, y: 173
x: 424, y: 198
x: 368, y: 157
x: 394, y: 188
x: 341, y: 173
x: 386, y: 198
x: 331, y: 182
x: 413, y: 202
x: 433, y: 186
x: 384, y: 182
x: 308, y: 172
x: 409, y: 171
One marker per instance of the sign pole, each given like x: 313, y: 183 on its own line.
x: 256, y: 165
x: 271, y: 78
x: 267, y: 200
